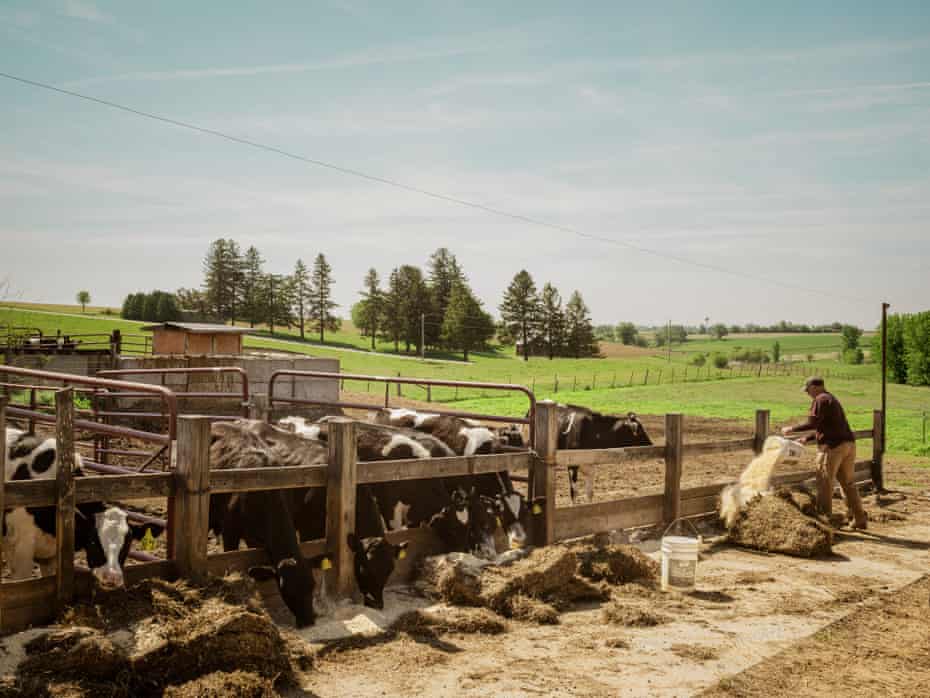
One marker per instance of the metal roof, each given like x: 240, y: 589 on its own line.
x: 199, y: 328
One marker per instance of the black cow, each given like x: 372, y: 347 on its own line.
x: 103, y: 533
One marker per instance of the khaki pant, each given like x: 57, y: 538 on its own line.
x: 839, y: 463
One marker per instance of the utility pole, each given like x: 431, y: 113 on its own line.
x: 422, y: 336
x: 884, y: 373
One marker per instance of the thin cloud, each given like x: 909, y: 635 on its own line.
x: 86, y: 10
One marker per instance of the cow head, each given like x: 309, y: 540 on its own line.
x: 511, y: 436
x: 105, y: 535
x: 374, y: 562
x: 512, y: 511
x: 451, y: 524
x: 483, y: 522
x: 295, y: 584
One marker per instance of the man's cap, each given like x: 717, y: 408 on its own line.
x: 813, y: 380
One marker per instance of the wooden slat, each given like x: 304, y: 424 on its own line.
x: 28, y: 592
x: 109, y: 488
x: 697, y: 506
x: 674, y: 426
x: 192, y: 497
x: 761, y: 430
x: 699, y: 449
x: 23, y: 617
x: 30, y: 493
x: 605, y: 456
x: 584, y: 519
x: 65, y: 497
x: 711, y: 490
x: 391, y: 470
x: 255, y: 479
x: 341, y: 486
x: 863, y: 433
x: 242, y: 560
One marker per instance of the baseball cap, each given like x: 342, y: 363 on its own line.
x: 813, y: 380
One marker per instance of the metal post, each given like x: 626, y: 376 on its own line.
x: 885, y: 307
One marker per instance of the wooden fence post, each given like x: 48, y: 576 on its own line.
x: 399, y: 392
x: 260, y: 408
x: 673, y: 459
x: 3, y: 401
x: 340, y: 503
x: 646, y: 377
x: 64, y: 497
x: 547, y: 439
x: 761, y: 432
x: 192, y: 497
x: 878, y: 451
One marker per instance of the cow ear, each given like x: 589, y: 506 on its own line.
x: 400, y: 551
x: 262, y: 574
x: 321, y: 562
x: 355, y: 545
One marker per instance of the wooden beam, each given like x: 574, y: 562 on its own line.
x: 241, y: 560
x: 878, y: 450
x: 277, y: 478
x: 65, y: 501
x: 585, y: 519
x: 108, y: 488
x: 30, y: 493
x: 543, y: 469
x: 605, y: 456
x: 674, y: 428
x: 391, y: 470
x: 340, y: 503
x: 192, y: 497
x: 864, y: 433
x: 761, y: 431
x: 28, y: 592
x: 700, y: 449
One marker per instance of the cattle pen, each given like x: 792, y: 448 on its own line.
x: 191, y: 482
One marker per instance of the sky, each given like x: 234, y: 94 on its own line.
x: 785, y: 142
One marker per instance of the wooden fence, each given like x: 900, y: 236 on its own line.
x: 36, y: 600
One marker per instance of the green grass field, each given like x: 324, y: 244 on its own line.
x: 614, y: 384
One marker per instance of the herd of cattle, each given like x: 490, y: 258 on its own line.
x: 465, y: 512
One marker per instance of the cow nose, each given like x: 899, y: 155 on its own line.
x: 109, y: 579
x: 517, y: 536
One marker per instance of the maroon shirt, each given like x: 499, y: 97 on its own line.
x: 828, y: 419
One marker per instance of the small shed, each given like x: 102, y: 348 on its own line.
x: 196, y: 338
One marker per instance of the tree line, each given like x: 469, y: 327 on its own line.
x: 908, y: 348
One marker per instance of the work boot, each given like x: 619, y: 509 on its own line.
x: 837, y: 520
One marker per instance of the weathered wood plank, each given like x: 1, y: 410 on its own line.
x: 65, y: 502
x: 255, y: 479
x: 242, y: 560
x: 22, y: 617
x: 608, y: 456
x: 584, y: 519
x: 700, y: 449
x: 340, y: 503
x: 30, y: 493
x: 865, y: 434
x: 878, y: 449
x: 28, y: 591
x: 543, y: 477
x: 108, y: 488
x: 761, y: 431
x: 370, y: 472
x: 674, y: 427
x: 192, y: 497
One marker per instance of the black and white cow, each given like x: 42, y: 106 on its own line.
x: 103, y: 533
x: 583, y: 428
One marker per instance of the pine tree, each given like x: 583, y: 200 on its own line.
x: 223, y: 277
x: 465, y: 326
x: 392, y: 311
x: 578, y: 328
x: 319, y: 312
x: 252, y: 279
x: 366, y: 314
x: 444, y: 273
x: 415, y: 302
x: 520, y: 309
x: 303, y: 298
x: 276, y: 300
x: 552, y: 320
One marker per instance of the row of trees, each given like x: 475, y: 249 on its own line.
x: 438, y: 310
x: 908, y: 348
x: 155, y: 306
x: 540, y: 323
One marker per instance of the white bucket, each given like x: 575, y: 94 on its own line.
x: 789, y: 451
x: 679, y: 563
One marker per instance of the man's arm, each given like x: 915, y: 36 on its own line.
x: 812, y: 424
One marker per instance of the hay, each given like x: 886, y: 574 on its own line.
x: 453, y: 620
x: 619, y: 613
x: 617, y: 564
x: 539, y: 575
x: 753, y: 481
x: 772, y: 524
x: 241, y: 684
x: 522, y: 607
x: 696, y: 653
x: 155, y: 635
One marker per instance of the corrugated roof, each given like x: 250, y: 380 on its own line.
x: 199, y: 328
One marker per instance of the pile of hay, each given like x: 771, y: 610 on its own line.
x: 469, y: 621
x: 776, y: 524
x: 159, y: 638
x: 540, y: 586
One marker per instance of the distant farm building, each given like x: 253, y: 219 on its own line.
x: 196, y: 338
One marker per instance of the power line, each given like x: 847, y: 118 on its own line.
x: 434, y: 195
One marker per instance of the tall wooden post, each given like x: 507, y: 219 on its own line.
x: 762, y: 430
x: 885, y: 307
x: 64, y: 497
x: 192, y: 497
x: 3, y: 402
x: 673, y: 457
x: 546, y: 444
x: 878, y: 450
x: 260, y: 407
x: 340, y: 502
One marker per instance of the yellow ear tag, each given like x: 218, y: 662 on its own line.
x: 537, y: 509
x: 148, y: 540
x: 499, y: 522
x: 402, y: 554
x: 326, y: 564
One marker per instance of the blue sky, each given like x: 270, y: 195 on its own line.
x: 788, y: 140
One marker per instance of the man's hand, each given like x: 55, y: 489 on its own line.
x: 785, y: 431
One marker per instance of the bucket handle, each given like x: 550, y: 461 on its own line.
x: 687, y: 521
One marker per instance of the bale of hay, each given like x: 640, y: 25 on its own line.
x: 774, y: 525
x: 538, y: 575
x: 617, y: 564
x: 452, y: 620
x: 242, y: 684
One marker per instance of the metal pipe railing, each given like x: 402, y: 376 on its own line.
x: 202, y: 370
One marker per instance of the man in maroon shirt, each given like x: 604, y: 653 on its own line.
x: 836, y: 450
